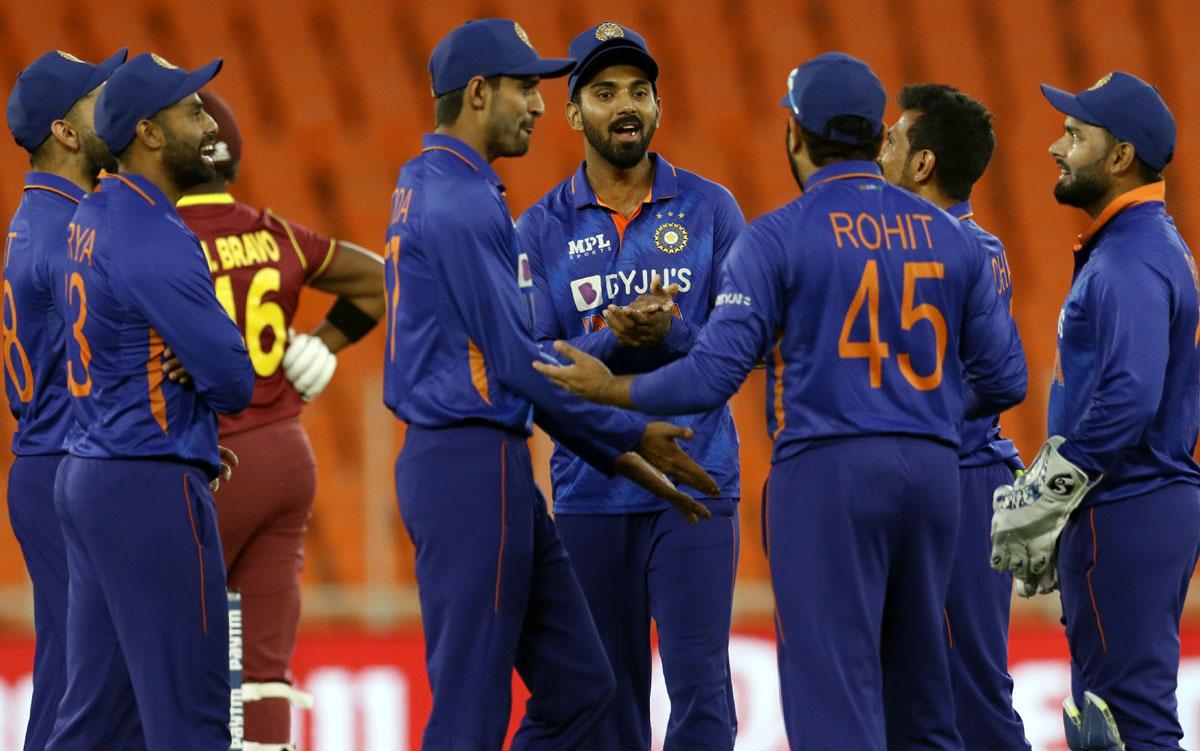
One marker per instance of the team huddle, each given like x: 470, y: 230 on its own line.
x: 147, y: 316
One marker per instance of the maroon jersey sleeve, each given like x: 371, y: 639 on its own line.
x: 314, y: 250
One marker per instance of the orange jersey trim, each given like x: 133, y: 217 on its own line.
x: 47, y: 188
x: 154, y: 381
x: 131, y: 184
x: 452, y: 151
x: 966, y: 216
x: 847, y: 176
x: 620, y: 220
x: 1145, y: 194
x: 205, y: 199
x: 478, y: 371
x: 780, y: 415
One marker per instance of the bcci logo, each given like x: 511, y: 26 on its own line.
x: 522, y: 35
x: 609, y: 30
x: 1107, y: 77
x: 671, y: 237
x: 163, y: 63
x: 68, y: 56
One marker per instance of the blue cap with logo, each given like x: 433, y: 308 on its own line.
x: 834, y: 84
x: 139, y: 89
x: 607, y: 44
x: 1129, y: 108
x: 488, y: 47
x: 48, y: 89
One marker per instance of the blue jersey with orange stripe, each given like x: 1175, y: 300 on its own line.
x: 1126, y: 386
x: 136, y: 281
x: 458, y: 347
x: 35, y: 254
x: 876, y: 312
x: 982, y: 443
x: 584, y: 256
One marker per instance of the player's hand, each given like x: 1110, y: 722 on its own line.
x: 229, y: 460
x: 636, y: 468
x: 173, y: 368
x: 308, y: 364
x: 1029, y: 515
x: 647, y: 320
x: 586, y: 377
x: 659, y: 447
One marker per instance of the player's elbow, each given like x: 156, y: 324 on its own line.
x: 232, y: 389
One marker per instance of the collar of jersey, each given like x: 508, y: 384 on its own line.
x: 205, y: 199
x: 843, y: 171
x: 666, y: 184
x: 1154, y: 192
x: 443, y: 143
x: 961, y: 211
x: 148, y: 191
x: 52, y: 183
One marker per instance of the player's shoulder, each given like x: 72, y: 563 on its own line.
x: 692, y: 183
x: 558, y: 201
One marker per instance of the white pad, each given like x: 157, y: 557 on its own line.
x: 252, y: 746
x: 309, y: 365
x: 257, y: 691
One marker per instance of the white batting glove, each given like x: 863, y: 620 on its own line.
x: 308, y: 364
x: 1029, y: 515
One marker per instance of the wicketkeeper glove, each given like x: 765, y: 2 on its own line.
x: 309, y: 365
x: 1029, y: 515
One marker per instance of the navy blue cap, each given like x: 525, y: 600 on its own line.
x: 48, y: 89
x: 1129, y: 108
x: 833, y: 84
x: 488, y: 47
x: 139, y: 89
x: 607, y: 44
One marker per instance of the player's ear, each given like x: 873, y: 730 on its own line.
x: 477, y: 93
x: 926, y: 160
x: 1121, y: 158
x: 795, y: 137
x: 150, y: 133
x: 574, y: 116
x: 64, y: 132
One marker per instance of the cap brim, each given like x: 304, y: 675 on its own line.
x: 105, y: 69
x: 1068, y: 104
x: 546, y: 67
x: 197, y: 79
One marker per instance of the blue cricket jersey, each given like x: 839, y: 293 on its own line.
x: 34, y: 349
x: 876, y: 312
x: 584, y: 256
x: 981, y: 442
x: 1126, y: 387
x: 137, y: 281
x: 458, y: 349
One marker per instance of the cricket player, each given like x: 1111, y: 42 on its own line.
x: 496, y: 587
x: 938, y: 149
x: 50, y: 116
x: 881, y: 324
x: 260, y: 262
x: 147, y: 590
x: 1116, y: 477
x: 597, y: 240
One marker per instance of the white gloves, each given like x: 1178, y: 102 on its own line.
x: 1029, y: 515
x: 309, y: 365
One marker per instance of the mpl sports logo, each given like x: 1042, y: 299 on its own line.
x: 588, y: 246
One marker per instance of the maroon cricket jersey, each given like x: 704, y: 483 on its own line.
x: 259, y: 262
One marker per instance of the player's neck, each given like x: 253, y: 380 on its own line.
x: 623, y: 189
x: 936, y: 197
x: 153, y: 170
x: 475, y: 137
x: 69, y: 167
x: 219, y: 185
x: 1119, y: 188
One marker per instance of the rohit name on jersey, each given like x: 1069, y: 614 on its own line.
x: 240, y: 251
x: 621, y: 287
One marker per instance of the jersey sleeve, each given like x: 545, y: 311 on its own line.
x: 738, y: 333
x: 316, y: 251
x: 467, y: 251
x: 176, y: 297
x: 994, y: 372
x: 1130, y: 318
x: 601, y: 344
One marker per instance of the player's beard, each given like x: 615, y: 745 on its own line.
x: 506, y: 135
x: 97, y: 156
x: 787, y: 141
x: 184, y: 164
x: 623, y: 156
x: 1082, y: 188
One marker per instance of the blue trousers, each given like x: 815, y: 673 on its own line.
x: 497, y: 592
x: 36, y: 527
x: 146, y: 607
x: 634, y: 567
x: 860, y: 535
x: 977, y: 613
x: 1123, y: 570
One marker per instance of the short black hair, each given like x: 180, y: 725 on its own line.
x: 956, y: 128
x: 823, y: 151
x: 448, y: 106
